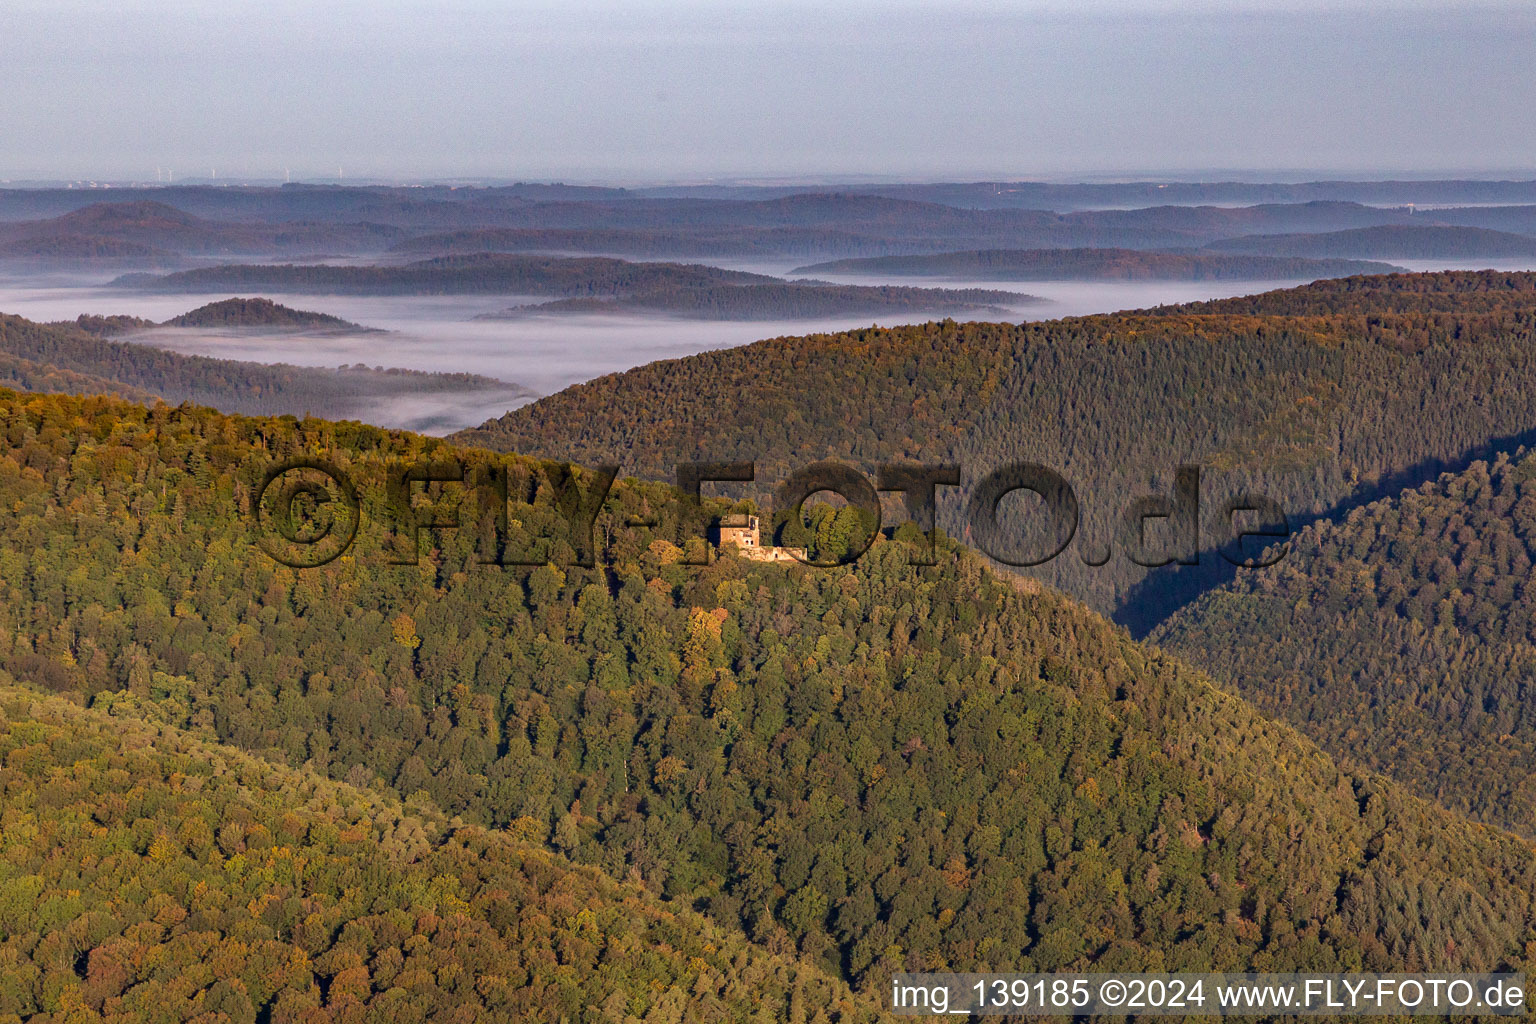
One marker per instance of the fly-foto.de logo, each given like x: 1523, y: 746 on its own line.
x: 306, y: 512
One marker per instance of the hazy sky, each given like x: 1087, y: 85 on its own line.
x: 679, y: 90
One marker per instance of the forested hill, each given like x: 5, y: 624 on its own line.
x: 150, y: 232
x: 880, y: 766
x: 31, y: 375
x: 789, y: 299
x: 1456, y: 291
x: 73, y: 358
x: 1403, y: 637
x: 1306, y: 409
x: 593, y: 285
x: 153, y: 875
x: 1388, y: 242
x: 487, y: 274
x: 261, y: 313
x: 1098, y: 265
x: 86, y: 250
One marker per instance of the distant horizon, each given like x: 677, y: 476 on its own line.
x: 1214, y: 176
x: 681, y: 91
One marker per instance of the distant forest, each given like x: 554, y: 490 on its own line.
x: 73, y: 359
x: 1306, y: 408
x: 793, y: 299
x: 590, y: 285
x: 1461, y: 292
x: 1389, y: 242
x: 1098, y: 264
x: 487, y: 274
x: 261, y: 313
x: 164, y: 227
x: 152, y: 231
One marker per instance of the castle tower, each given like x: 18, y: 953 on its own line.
x: 740, y: 530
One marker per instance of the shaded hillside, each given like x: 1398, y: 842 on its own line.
x: 456, y: 206
x: 904, y: 225
x: 261, y: 313
x: 30, y: 375
x: 1456, y: 291
x: 1307, y: 410
x: 1066, y: 196
x: 53, y: 249
x: 154, y: 232
x: 1096, y: 265
x: 590, y: 285
x: 722, y: 242
x: 714, y: 221
x: 883, y: 766
x: 430, y: 221
x: 104, y: 326
x: 792, y: 299
x: 489, y: 274
x: 66, y: 358
x: 1518, y: 219
x: 1403, y: 637
x: 152, y: 875
x: 1392, y: 242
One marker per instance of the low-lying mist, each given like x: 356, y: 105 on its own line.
x: 541, y: 353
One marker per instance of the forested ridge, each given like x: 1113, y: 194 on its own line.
x: 588, y: 285
x: 875, y: 767
x: 786, y: 299
x: 1450, y: 291
x: 167, y: 227
x: 150, y: 232
x: 1403, y: 637
x: 1098, y: 264
x: 1387, y: 241
x: 667, y: 242
x: 31, y: 375
x: 78, y: 358
x: 87, y: 249
x: 474, y: 274
x: 259, y: 312
x: 707, y: 221
x: 1300, y: 395
x: 149, y: 875
x: 649, y: 789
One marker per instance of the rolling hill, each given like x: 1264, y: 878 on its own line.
x: 53, y: 250
x: 1300, y: 395
x: 875, y: 767
x: 1402, y: 637
x: 261, y: 313
x: 154, y: 233
x: 721, y: 221
x: 151, y: 875
x: 1096, y: 265
x: 1388, y: 242
x: 791, y: 299
x: 78, y: 358
x: 304, y: 220
x: 663, y: 242
x: 483, y: 274
x: 31, y: 375
x: 454, y: 206
x: 587, y: 285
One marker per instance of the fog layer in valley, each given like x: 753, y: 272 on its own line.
x: 543, y: 353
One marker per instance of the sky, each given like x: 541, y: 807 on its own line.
x: 652, y: 91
